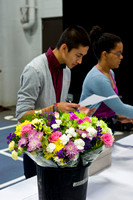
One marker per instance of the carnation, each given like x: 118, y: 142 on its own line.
x: 50, y: 148
x: 73, y: 116
x: 91, y: 132
x: 26, y: 128
x: 58, y: 121
x: 79, y: 144
x: 54, y: 137
x: 71, y: 132
x: 54, y: 126
x: 88, y: 119
x: 107, y: 139
x: 64, y: 139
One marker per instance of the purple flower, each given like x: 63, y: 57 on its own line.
x: 52, y: 121
x: 99, y: 129
x: 60, y: 153
x: 88, y: 144
x: 10, y: 137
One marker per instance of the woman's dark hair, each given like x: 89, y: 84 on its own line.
x: 73, y: 37
x: 102, y: 41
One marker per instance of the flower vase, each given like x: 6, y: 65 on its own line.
x: 62, y: 183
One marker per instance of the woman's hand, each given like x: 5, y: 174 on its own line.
x: 124, y: 119
x: 87, y: 111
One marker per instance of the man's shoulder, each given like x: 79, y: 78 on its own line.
x: 38, y: 63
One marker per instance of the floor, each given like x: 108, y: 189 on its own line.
x: 11, y: 171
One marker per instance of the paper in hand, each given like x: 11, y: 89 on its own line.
x: 94, y: 99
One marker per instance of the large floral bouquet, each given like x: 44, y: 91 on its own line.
x: 60, y: 139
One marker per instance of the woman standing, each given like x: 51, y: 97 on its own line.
x: 100, y: 80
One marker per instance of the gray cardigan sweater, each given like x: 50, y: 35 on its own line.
x: 36, y: 86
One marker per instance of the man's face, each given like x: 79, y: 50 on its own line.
x: 75, y: 56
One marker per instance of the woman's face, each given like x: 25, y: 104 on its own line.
x: 114, y: 56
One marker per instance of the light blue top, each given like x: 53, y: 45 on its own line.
x: 97, y: 83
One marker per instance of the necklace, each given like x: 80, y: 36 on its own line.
x: 101, y: 69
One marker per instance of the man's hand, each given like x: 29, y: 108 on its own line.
x: 67, y: 107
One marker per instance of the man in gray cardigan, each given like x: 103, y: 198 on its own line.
x: 46, y: 79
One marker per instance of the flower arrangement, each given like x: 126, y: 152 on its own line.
x: 60, y: 139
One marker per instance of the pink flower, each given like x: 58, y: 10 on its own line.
x: 39, y: 135
x: 71, y: 149
x: 31, y: 134
x: 26, y: 128
x: 73, y: 116
x: 80, y: 121
x: 81, y: 131
x: 34, y: 143
x: 54, y: 137
x: 35, y: 134
x: 22, y: 142
x: 107, y: 139
x: 88, y: 119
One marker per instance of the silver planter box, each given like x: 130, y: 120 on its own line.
x: 102, y: 161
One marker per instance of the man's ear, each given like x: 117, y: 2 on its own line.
x: 63, y: 47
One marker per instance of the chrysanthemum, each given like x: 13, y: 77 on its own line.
x: 22, y: 142
x: 39, y: 135
x: 31, y: 134
x: 71, y: 149
x: 34, y: 143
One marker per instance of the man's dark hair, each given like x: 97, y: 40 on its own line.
x: 73, y: 37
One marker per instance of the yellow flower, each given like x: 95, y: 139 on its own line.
x: 11, y: 145
x: 14, y: 155
x: 48, y: 155
x: 59, y: 160
x: 59, y: 145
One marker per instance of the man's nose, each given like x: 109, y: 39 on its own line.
x: 79, y: 61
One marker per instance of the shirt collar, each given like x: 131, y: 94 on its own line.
x: 52, y: 60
